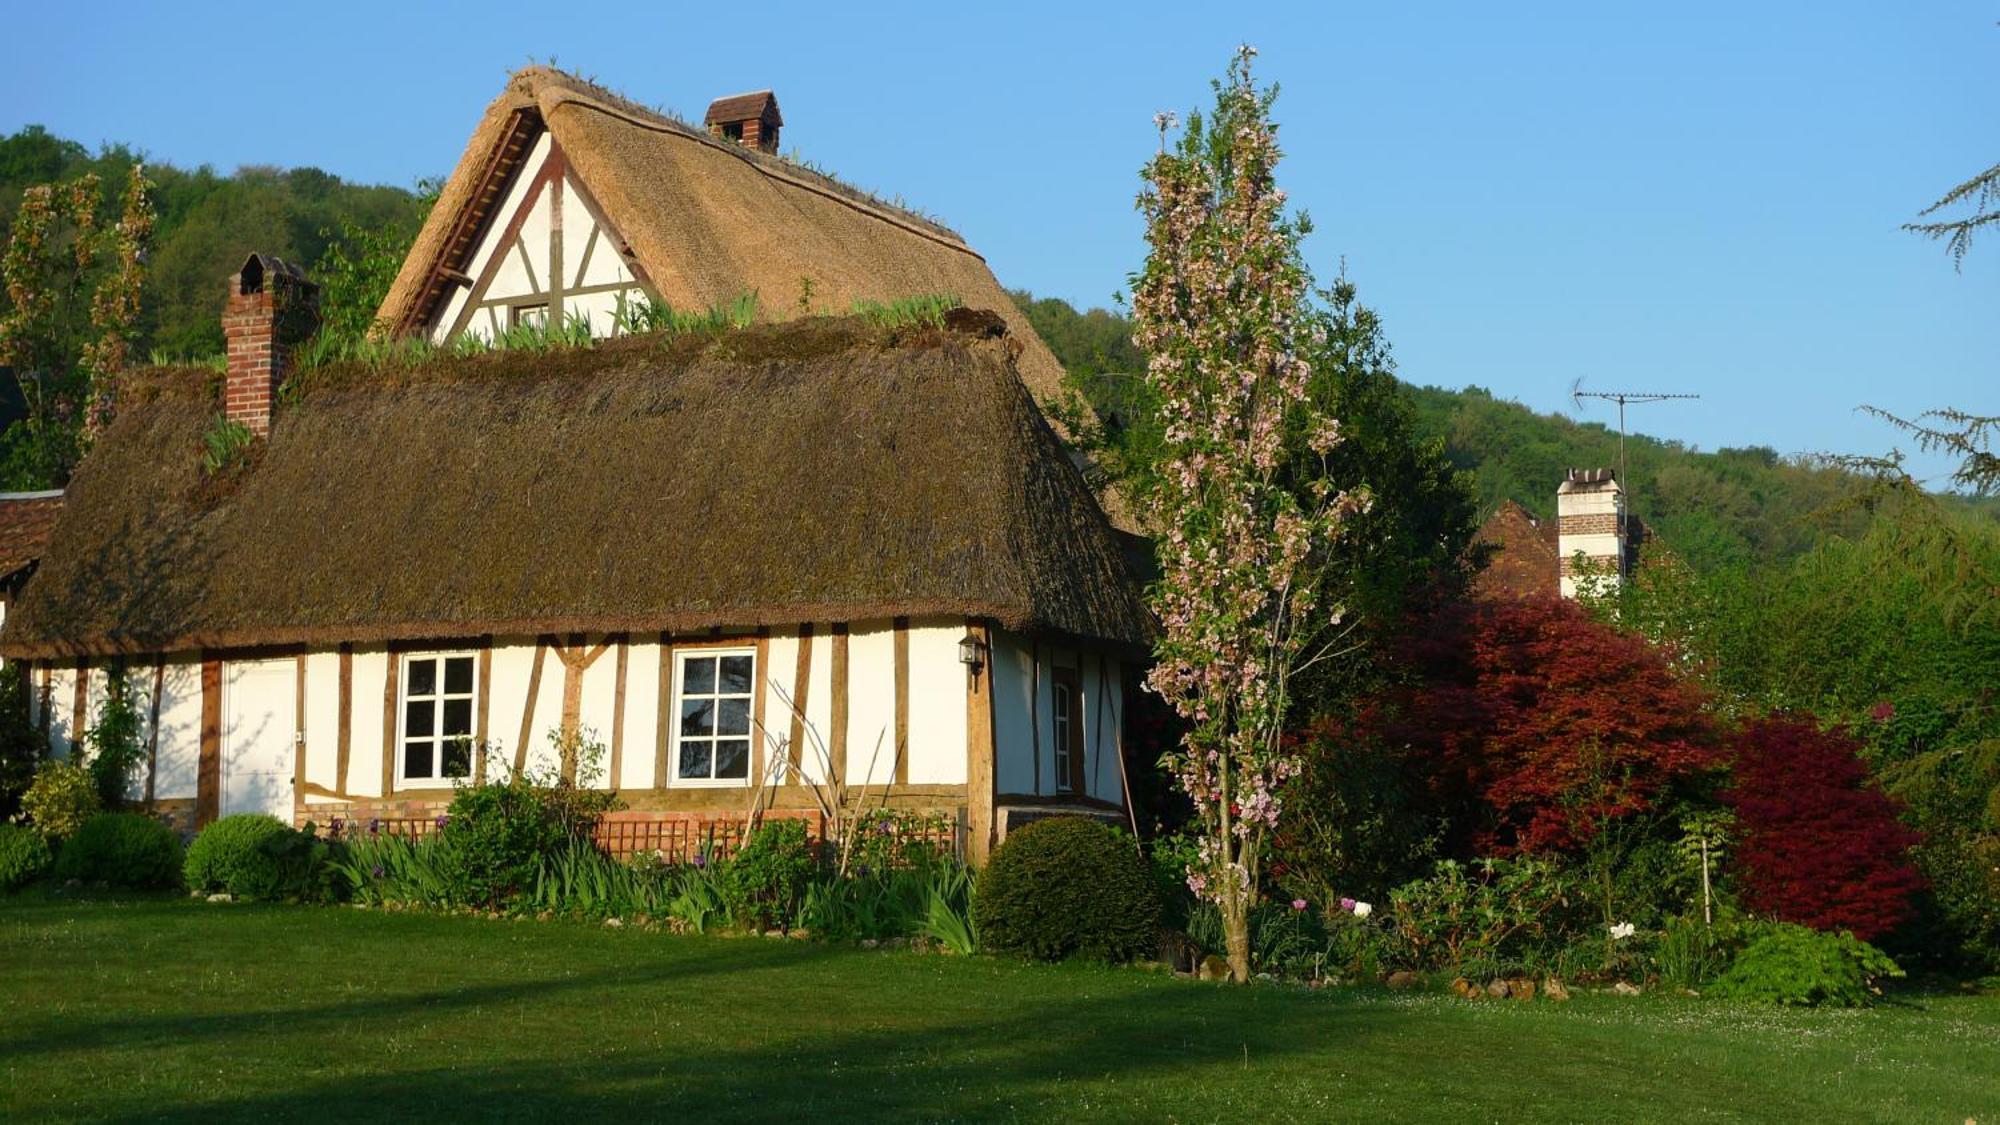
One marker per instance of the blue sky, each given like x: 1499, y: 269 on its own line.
x: 1700, y: 198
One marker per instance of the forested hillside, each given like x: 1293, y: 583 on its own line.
x: 1723, y: 507
x: 208, y: 221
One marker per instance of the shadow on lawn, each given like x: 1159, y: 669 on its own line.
x: 1007, y: 1066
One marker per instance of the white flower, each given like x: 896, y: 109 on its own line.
x: 1622, y: 930
x: 1363, y: 910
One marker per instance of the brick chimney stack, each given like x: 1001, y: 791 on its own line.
x: 1590, y: 520
x: 750, y: 119
x: 270, y: 310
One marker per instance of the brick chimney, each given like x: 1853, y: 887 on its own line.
x: 1590, y: 520
x: 748, y: 119
x: 270, y: 310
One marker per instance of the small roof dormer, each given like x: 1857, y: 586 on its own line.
x: 748, y: 119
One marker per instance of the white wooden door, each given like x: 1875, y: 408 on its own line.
x: 259, y: 712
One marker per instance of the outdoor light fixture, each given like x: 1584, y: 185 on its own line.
x: 972, y: 651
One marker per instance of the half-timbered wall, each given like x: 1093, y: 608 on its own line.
x: 547, y: 255
x: 1025, y: 671
x: 904, y: 719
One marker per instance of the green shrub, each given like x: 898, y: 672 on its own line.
x: 1691, y: 953
x: 24, y: 856
x: 494, y: 839
x: 766, y: 879
x: 21, y: 745
x: 252, y: 855
x: 1789, y: 964
x: 62, y: 798
x: 124, y: 849
x: 1068, y: 887
x: 1489, y: 918
x: 117, y: 742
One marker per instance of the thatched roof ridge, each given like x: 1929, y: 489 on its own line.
x: 769, y: 477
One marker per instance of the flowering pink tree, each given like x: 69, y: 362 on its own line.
x: 1221, y: 311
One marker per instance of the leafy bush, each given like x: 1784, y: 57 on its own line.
x: 1690, y: 953
x: 1067, y: 887
x: 1492, y: 917
x: 252, y: 855
x: 1789, y: 964
x: 62, y: 797
x: 765, y: 881
x: 493, y: 841
x: 124, y: 849
x: 21, y: 745
x: 1821, y: 844
x: 24, y: 856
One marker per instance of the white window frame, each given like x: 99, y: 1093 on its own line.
x: 403, y: 780
x: 680, y: 657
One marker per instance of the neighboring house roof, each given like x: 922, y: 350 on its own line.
x: 818, y: 471
x: 26, y: 518
x: 1523, y: 561
x: 707, y: 220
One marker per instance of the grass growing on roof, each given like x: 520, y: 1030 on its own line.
x: 921, y: 311
x: 220, y: 1013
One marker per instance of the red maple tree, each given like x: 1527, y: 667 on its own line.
x: 1556, y: 723
x: 1820, y: 844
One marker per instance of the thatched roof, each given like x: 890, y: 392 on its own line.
x: 708, y: 220
x: 26, y: 518
x: 821, y: 471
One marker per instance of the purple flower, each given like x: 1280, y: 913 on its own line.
x: 1347, y: 904
x: 443, y: 820
x: 337, y: 823
x: 375, y: 826
x: 1298, y: 904
x: 700, y: 860
x: 378, y: 871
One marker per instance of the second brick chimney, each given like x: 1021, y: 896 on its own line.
x: 748, y: 119
x: 270, y: 310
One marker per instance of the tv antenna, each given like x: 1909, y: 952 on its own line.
x: 1623, y: 398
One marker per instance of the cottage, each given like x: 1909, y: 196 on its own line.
x: 756, y: 563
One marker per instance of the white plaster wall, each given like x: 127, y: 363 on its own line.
x: 364, y: 761
x: 937, y: 703
x: 1013, y: 712
x: 179, y: 750
x: 779, y: 680
x: 63, y: 728
x: 642, y: 710
x: 322, y: 746
x: 871, y: 703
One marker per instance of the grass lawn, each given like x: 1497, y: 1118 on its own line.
x: 174, y: 1010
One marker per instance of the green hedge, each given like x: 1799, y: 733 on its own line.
x: 124, y: 849
x: 1068, y: 887
x: 252, y: 855
x: 24, y: 856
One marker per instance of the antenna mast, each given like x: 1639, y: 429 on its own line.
x: 1636, y: 398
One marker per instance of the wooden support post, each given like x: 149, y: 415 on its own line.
x: 617, y: 778
x: 528, y: 706
x: 482, y: 723
x: 344, y: 728
x: 902, y: 774
x: 979, y: 764
x: 837, y: 737
x: 663, y: 714
x: 299, y: 747
x: 801, y: 686
x: 208, y: 767
x: 391, y: 680
x: 153, y: 731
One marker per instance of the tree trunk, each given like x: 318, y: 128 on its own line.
x: 1236, y: 932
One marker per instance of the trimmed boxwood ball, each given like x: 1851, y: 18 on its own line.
x: 1068, y: 887
x: 124, y: 849
x: 24, y: 855
x: 240, y: 854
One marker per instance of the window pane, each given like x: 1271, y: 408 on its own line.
x: 736, y: 674
x: 458, y: 757
x: 423, y: 677
x: 697, y: 717
x: 418, y: 714
x: 698, y: 676
x: 732, y: 758
x: 732, y: 716
x: 694, y: 759
x: 417, y: 760
x: 457, y: 717
x: 458, y: 675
